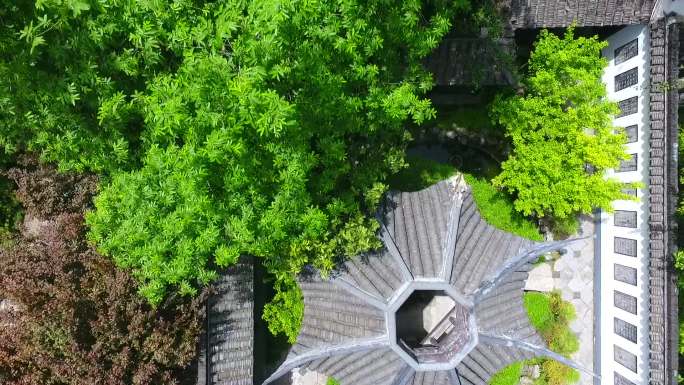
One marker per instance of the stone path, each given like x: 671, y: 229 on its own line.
x: 308, y: 377
x: 573, y: 275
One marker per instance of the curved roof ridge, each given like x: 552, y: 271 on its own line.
x: 421, y: 224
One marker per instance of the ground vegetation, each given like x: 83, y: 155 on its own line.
x: 76, y: 318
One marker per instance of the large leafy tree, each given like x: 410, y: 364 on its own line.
x: 562, y: 132
x: 78, y: 319
x: 222, y: 128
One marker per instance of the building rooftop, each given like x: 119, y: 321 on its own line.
x: 436, y: 244
x: 227, y: 346
x: 530, y: 14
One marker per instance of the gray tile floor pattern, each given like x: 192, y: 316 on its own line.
x: 573, y: 275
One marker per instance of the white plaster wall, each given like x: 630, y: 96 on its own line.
x: 609, y: 231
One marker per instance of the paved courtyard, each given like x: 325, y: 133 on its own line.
x: 573, y: 275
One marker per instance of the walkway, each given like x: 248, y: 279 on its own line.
x: 573, y: 275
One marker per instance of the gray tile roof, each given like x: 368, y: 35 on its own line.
x: 417, y: 222
x: 227, y: 353
x: 332, y: 316
x: 502, y: 311
x: 485, y: 361
x: 380, y: 366
x: 481, y: 248
x: 434, y: 239
x: 663, y: 189
x: 471, y: 61
x: 586, y: 13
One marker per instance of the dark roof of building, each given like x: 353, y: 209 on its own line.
x: 484, y: 62
x: 471, y: 61
x: 585, y: 13
x: 434, y: 239
x: 227, y: 347
x: 663, y: 189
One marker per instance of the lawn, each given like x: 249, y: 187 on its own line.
x: 510, y: 375
x: 538, y: 306
x: 495, y: 206
x: 551, y: 316
x: 421, y: 173
x: 497, y: 209
x: 471, y: 119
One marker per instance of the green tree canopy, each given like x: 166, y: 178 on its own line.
x: 261, y: 127
x: 562, y: 132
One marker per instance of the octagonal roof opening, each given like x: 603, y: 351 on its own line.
x: 420, y: 314
x: 433, y: 328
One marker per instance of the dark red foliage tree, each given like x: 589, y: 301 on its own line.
x: 77, y: 318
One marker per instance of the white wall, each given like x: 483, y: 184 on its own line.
x: 608, y: 231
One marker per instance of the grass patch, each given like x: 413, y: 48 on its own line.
x: 551, y: 316
x: 510, y: 375
x: 332, y: 381
x: 495, y: 207
x: 538, y: 309
x: 421, y: 173
x: 471, y: 119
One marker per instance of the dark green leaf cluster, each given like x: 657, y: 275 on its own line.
x: 562, y: 132
x: 260, y: 127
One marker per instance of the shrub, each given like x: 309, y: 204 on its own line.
x: 555, y: 373
x: 284, y: 314
x: 79, y: 319
x: 564, y: 227
x: 173, y: 233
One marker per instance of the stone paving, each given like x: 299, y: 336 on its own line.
x: 308, y: 377
x: 573, y: 275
